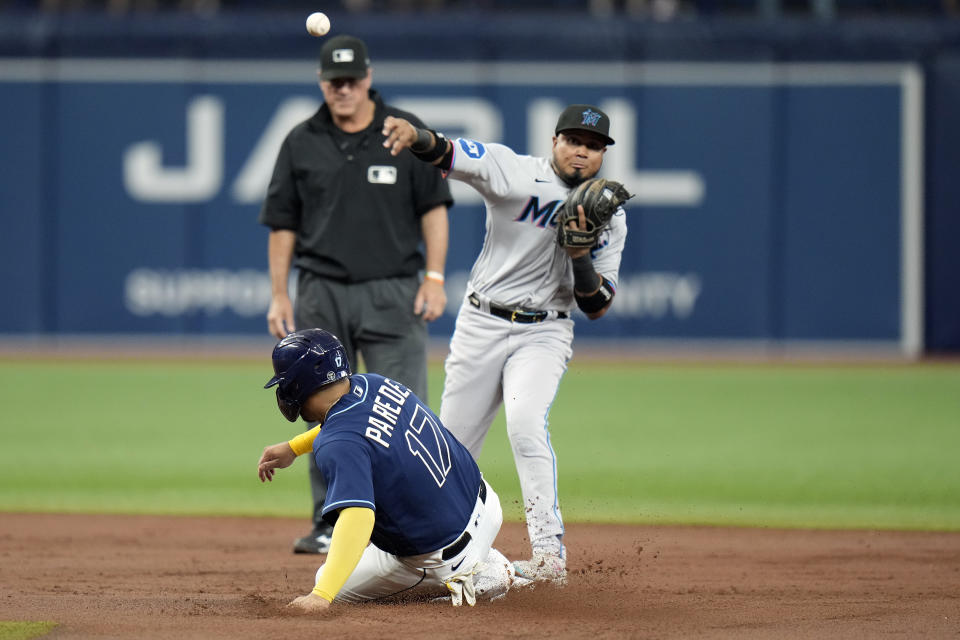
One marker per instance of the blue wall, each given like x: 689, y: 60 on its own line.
x: 793, y: 182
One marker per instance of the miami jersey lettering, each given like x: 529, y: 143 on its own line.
x: 541, y: 216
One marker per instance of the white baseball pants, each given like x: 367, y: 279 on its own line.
x: 380, y: 574
x: 491, y: 361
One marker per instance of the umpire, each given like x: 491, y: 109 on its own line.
x: 353, y: 218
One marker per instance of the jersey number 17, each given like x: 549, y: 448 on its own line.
x: 427, y: 442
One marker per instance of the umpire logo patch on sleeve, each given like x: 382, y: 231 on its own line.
x: 382, y: 174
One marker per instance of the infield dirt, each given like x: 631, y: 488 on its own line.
x: 180, y: 577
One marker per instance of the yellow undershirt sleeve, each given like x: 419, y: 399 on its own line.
x: 303, y: 443
x: 350, y: 537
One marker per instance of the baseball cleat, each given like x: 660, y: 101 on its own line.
x: 541, y: 568
x: 494, y: 577
x: 519, y: 582
x: 316, y: 542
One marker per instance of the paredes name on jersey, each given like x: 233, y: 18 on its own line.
x: 387, y: 405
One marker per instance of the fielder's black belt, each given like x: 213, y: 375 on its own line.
x: 516, y: 315
x: 460, y: 543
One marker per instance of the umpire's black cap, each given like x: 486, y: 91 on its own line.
x: 344, y: 57
x: 585, y: 117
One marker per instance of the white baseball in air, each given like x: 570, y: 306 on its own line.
x: 318, y: 24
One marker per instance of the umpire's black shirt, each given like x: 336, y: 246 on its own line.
x: 355, y: 208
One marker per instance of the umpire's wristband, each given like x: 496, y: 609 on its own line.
x: 585, y: 279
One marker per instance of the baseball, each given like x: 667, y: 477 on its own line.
x: 318, y: 24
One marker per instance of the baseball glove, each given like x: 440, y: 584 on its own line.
x: 600, y: 199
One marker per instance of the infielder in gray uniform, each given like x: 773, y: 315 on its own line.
x: 513, y: 336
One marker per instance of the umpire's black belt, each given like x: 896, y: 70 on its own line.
x: 516, y: 315
x: 460, y: 543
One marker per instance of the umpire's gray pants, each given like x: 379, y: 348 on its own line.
x: 376, y: 320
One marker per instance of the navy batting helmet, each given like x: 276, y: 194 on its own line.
x: 303, y: 362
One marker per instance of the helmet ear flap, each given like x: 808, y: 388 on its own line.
x: 289, y: 408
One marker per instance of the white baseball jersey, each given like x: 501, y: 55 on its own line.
x: 521, y: 264
x: 496, y: 361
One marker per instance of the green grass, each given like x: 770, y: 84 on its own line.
x: 10, y: 630
x: 765, y: 445
x: 762, y: 445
